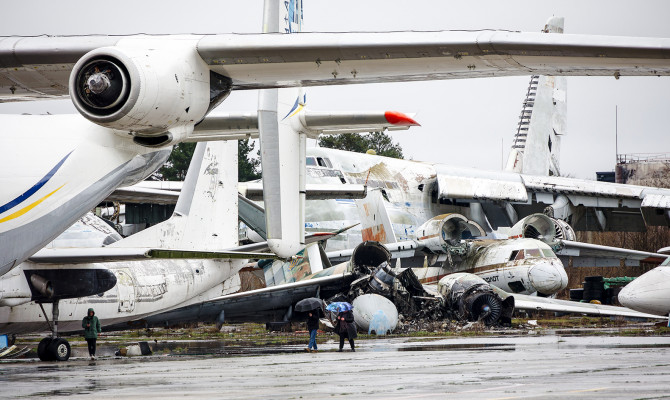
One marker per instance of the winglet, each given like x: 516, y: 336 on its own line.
x: 398, y: 118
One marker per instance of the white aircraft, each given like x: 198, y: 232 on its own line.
x: 650, y: 292
x: 156, y: 269
x: 140, y: 94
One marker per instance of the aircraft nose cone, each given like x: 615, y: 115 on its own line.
x: 650, y: 293
x: 548, y: 277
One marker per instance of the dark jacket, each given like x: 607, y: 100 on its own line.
x: 348, y: 326
x: 91, y: 331
x: 313, y: 321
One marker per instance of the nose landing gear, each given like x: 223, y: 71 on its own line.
x: 53, y: 348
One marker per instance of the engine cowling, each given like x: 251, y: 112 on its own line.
x: 447, y: 230
x: 154, y: 90
x: 473, y: 299
x: 544, y: 228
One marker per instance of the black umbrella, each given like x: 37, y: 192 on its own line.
x: 309, y: 304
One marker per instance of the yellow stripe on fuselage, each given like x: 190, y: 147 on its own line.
x: 28, y: 207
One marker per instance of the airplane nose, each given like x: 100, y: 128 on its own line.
x: 649, y: 293
x: 548, y: 277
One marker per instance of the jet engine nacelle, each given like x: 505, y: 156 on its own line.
x: 369, y: 255
x: 447, y: 230
x: 473, y: 299
x: 544, y: 228
x: 151, y: 90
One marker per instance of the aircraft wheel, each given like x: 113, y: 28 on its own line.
x: 42, y: 349
x: 59, y: 349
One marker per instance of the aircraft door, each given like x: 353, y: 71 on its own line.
x: 125, y: 290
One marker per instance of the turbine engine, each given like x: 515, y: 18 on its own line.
x: 543, y: 228
x: 446, y: 231
x: 150, y: 89
x: 472, y: 299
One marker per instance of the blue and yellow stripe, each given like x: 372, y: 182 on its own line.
x: 25, y: 195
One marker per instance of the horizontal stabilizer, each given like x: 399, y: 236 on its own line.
x: 245, y: 125
x: 150, y: 192
x: 112, y: 254
x: 254, y: 191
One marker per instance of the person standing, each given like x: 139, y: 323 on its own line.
x: 312, y: 327
x: 91, y: 326
x: 346, y: 328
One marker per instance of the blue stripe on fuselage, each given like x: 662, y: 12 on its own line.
x: 35, y: 187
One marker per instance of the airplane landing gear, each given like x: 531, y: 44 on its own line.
x: 53, y: 348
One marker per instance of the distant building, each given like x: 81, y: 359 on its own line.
x: 643, y: 169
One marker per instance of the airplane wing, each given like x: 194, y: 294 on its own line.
x: 525, y: 302
x: 591, y: 205
x: 39, y: 67
x: 261, y: 305
x: 114, y: 254
x: 586, y: 254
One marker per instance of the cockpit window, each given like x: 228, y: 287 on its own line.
x: 520, y: 255
x: 310, y: 161
x: 533, y: 253
x: 321, y: 162
x: 548, y: 253
x: 513, y: 255
x: 666, y: 262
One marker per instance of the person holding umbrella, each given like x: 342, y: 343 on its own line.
x: 312, y: 306
x: 345, y: 326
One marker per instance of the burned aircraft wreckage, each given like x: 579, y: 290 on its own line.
x: 459, y: 296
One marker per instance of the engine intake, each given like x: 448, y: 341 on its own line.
x: 102, y: 86
x: 154, y: 90
x: 447, y: 230
x: 544, y: 228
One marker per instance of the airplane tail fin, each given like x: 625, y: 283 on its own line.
x: 282, y: 147
x: 542, y: 123
x: 205, y: 217
x: 375, y: 221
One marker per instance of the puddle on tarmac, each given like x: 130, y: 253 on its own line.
x: 461, y: 347
x: 212, y: 347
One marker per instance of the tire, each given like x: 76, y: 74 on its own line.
x: 59, y: 349
x: 43, y: 350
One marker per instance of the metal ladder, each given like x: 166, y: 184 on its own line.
x: 526, y: 112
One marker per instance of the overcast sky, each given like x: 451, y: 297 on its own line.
x: 463, y: 121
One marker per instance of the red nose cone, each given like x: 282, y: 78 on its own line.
x: 398, y: 118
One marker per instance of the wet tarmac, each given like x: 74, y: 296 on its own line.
x: 611, y: 367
